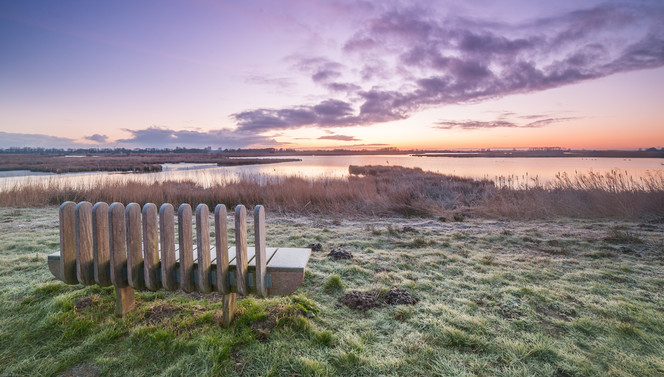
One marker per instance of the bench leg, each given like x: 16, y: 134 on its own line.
x: 124, y: 300
x: 230, y: 306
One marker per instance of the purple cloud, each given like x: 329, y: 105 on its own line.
x: 414, y: 60
x: 97, y: 138
x: 19, y: 140
x: 339, y: 137
x: 539, y: 121
x: 160, y: 137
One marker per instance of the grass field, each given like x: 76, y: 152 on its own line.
x: 496, y: 297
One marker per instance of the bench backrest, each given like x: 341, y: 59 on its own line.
x: 135, y: 247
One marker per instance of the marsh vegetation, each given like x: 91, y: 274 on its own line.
x: 372, y: 191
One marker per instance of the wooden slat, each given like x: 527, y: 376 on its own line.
x: 84, y: 256
x: 241, y: 249
x: 100, y: 245
x: 259, y: 232
x: 118, y: 244
x: 221, y: 245
x: 290, y: 259
x: 151, y: 267
x: 167, y: 238
x: 134, y: 246
x: 232, y: 255
x: 203, y: 246
x: 186, y: 242
x: 68, y: 242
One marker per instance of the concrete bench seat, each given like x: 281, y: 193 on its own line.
x: 133, y: 248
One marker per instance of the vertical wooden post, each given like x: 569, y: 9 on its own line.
x: 68, y: 242
x: 84, y: 256
x: 134, y: 245
x: 259, y: 245
x: 167, y: 238
x: 203, y: 241
x: 124, y: 300
x: 230, y: 306
x: 100, y: 244
x: 241, y: 249
x: 186, y: 248
x: 221, y: 243
x: 124, y: 294
x: 151, y: 247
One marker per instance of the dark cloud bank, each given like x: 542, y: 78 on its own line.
x: 438, y: 61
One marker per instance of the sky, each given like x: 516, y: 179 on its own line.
x: 332, y: 74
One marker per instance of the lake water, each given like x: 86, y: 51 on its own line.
x: 517, y: 169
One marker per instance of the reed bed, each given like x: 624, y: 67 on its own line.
x: 376, y: 191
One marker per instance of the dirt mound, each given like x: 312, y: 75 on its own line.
x: 159, y: 313
x: 361, y: 300
x: 399, y: 296
x: 372, y: 299
x: 84, y: 302
x: 316, y: 246
x: 340, y: 254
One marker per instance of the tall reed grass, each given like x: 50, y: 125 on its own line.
x: 377, y: 191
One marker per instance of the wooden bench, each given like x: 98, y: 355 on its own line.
x: 133, y: 248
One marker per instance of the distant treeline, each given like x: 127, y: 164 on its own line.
x: 256, y: 152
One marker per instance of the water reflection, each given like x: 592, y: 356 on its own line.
x: 542, y: 170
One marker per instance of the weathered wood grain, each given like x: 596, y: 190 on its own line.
x: 68, y: 242
x: 228, y: 311
x: 100, y: 244
x: 118, y: 243
x: 203, y: 247
x: 151, y: 266
x: 221, y: 246
x: 124, y: 300
x: 241, y: 249
x: 259, y: 245
x: 186, y: 250
x: 167, y: 239
x: 84, y: 255
x: 134, y: 246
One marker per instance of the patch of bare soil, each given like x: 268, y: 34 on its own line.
x: 399, y: 296
x: 336, y: 254
x: 264, y: 327
x: 316, y: 246
x: 211, y: 297
x: 372, y: 299
x: 85, y: 302
x: 83, y: 370
x: 159, y: 313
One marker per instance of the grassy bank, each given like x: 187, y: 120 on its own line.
x: 380, y: 191
x: 496, y: 297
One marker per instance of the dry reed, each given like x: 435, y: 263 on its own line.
x: 379, y: 191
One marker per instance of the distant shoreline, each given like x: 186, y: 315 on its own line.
x: 545, y: 154
x: 137, y: 163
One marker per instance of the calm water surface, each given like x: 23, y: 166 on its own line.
x: 520, y: 169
